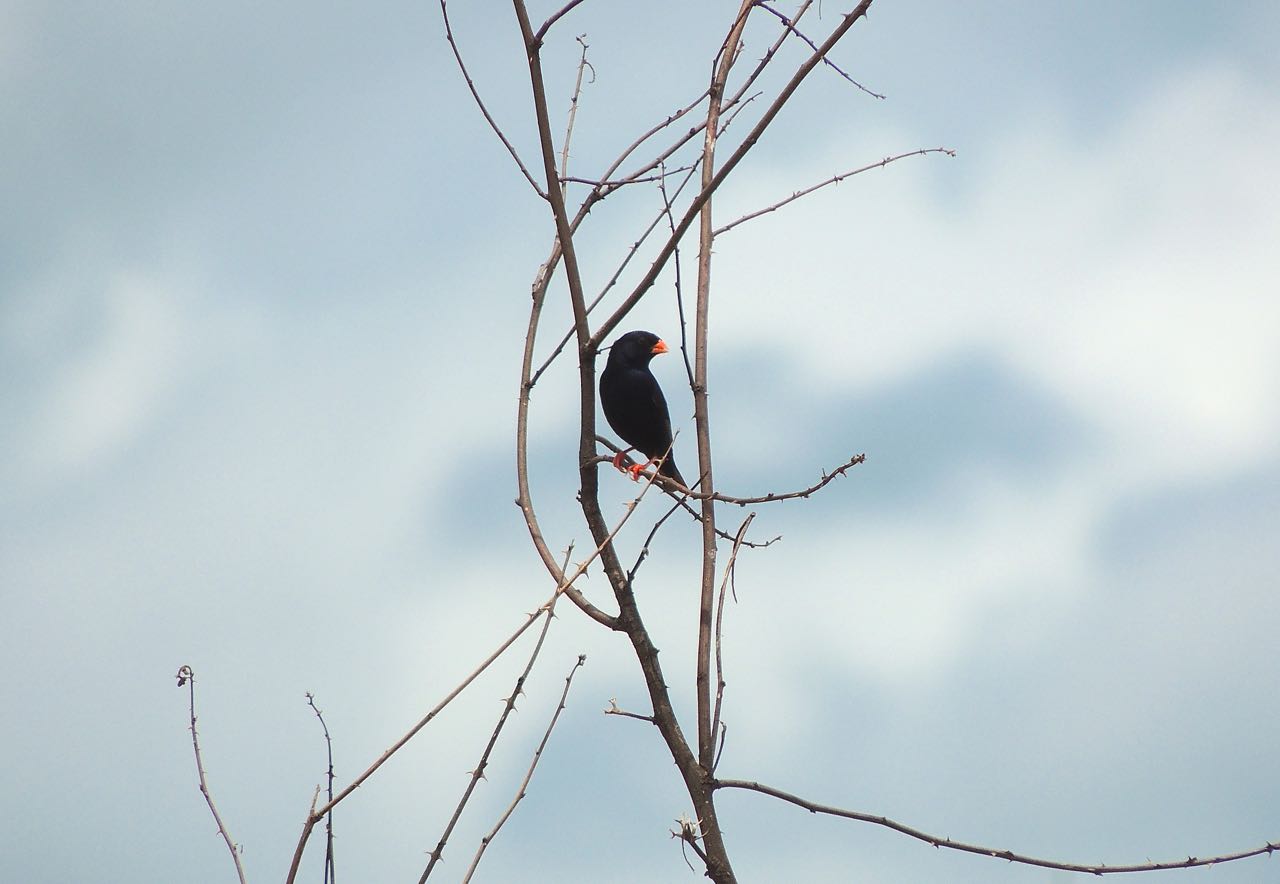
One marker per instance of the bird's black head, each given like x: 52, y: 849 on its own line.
x: 636, y: 348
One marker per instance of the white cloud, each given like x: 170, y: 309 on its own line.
x: 103, y: 394
x: 1132, y: 272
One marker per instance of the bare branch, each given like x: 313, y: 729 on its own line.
x: 644, y: 548
x: 524, y: 784
x: 478, y: 773
x: 573, y: 114
x: 1008, y: 855
x: 316, y: 816
x: 619, y: 183
x: 675, y: 263
x: 613, y: 280
x: 187, y: 678
x: 752, y: 137
x: 563, y: 588
x: 606, y: 186
x: 683, y: 495
x: 555, y: 17
x: 768, y: 57
x: 702, y: 414
x: 654, y: 130
x: 475, y: 94
x: 834, y: 179
x: 804, y: 492
x: 615, y: 710
x: 689, y: 835
x: 724, y: 585
x: 791, y: 26
x: 330, y: 872
x: 672, y: 487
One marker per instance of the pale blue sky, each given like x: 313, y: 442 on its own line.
x: 264, y: 276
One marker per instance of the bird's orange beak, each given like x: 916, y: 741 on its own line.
x: 660, y: 347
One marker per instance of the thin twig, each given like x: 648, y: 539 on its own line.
x: 606, y: 186
x: 689, y: 171
x: 330, y: 873
x: 614, y: 709
x: 768, y: 57
x: 750, y: 140
x: 613, y: 280
x: 802, y: 493
x: 316, y: 816
x: 724, y: 732
x: 478, y: 772
x: 693, y: 772
x: 564, y: 588
x: 689, y: 834
x: 555, y: 17
x: 834, y: 179
x: 573, y: 114
x: 712, y: 836
x: 187, y: 677
x: 475, y: 94
x: 619, y: 183
x: 724, y: 585
x: 1008, y: 855
x: 675, y: 263
x: 524, y: 784
x: 644, y: 548
x: 672, y: 487
x: 681, y: 494
x: 790, y: 26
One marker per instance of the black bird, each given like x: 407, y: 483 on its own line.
x: 633, y: 402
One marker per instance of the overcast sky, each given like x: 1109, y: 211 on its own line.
x: 264, y: 276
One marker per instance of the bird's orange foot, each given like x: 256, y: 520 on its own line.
x: 618, y: 459
x: 635, y: 469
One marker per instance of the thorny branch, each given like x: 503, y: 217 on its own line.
x: 694, y: 209
x: 330, y: 872
x: 1009, y: 855
x: 565, y: 587
x: 834, y: 179
x: 187, y: 678
x: 672, y: 487
x: 791, y: 28
x: 508, y: 707
x: 524, y: 784
x: 583, y: 66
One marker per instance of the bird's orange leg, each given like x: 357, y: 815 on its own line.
x: 637, y: 468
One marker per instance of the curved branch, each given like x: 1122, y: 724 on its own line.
x: 475, y: 94
x: 1008, y: 855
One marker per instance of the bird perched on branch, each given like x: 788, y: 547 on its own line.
x: 634, y: 405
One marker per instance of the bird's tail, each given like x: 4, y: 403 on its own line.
x: 669, y: 470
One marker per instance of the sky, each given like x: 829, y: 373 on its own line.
x: 264, y: 280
